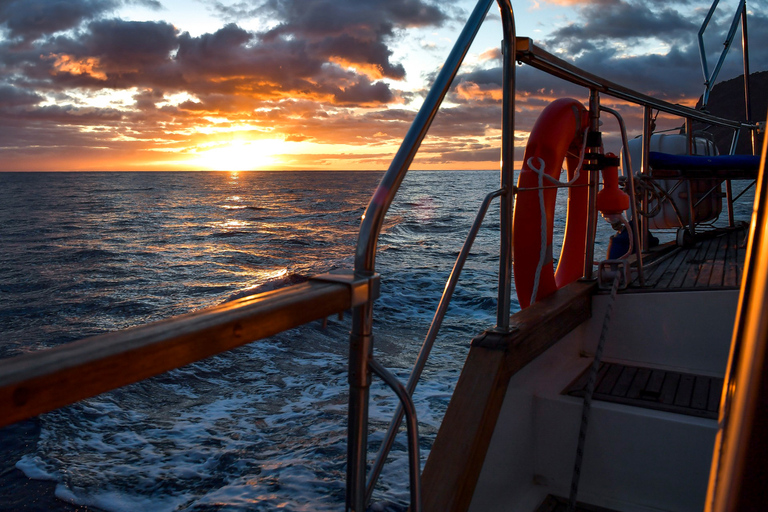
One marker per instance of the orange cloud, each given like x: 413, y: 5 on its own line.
x: 69, y: 64
x: 370, y: 69
x: 471, y: 91
x: 491, y: 54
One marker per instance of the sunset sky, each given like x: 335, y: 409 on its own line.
x: 315, y: 84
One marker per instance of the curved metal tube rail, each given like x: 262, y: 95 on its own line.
x: 361, y: 357
x: 406, y: 405
x: 361, y: 337
x: 709, y: 79
x: 632, y: 198
x: 429, y: 340
x: 539, y: 58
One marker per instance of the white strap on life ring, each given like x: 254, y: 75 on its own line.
x: 539, y: 170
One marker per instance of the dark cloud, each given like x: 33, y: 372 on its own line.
x: 622, y: 20
x: 464, y: 154
x: 365, y: 93
x: 130, y: 44
x: 71, y: 115
x: 335, y: 17
x: 323, y: 72
x: 31, y: 19
x: 147, y: 99
x: 351, y: 31
x: 224, y: 45
x: 150, y: 4
x: 11, y: 96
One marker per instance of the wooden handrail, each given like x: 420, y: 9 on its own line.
x: 38, y: 382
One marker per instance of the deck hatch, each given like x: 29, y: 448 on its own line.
x: 651, y: 388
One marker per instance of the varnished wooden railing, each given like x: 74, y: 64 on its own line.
x: 38, y: 382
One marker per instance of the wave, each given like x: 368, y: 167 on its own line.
x: 264, y: 425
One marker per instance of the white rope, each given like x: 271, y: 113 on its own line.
x: 539, y: 168
x: 543, y: 215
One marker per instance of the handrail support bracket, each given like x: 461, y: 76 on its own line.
x: 363, y: 288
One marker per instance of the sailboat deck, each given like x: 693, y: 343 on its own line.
x: 652, y: 388
x: 714, y: 261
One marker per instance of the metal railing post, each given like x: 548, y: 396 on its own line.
x: 507, y: 167
x: 645, y: 170
x: 728, y: 188
x: 361, y: 337
x: 594, y: 181
x: 429, y: 340
x: 691, y: 150
x: 360, y: 353
x: 631, y: 189
x: 745, y: 58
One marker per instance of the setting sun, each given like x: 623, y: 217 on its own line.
x: 240, y: 155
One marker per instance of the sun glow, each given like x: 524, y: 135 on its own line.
x: 240, y: 155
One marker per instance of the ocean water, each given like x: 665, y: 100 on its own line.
x: 264, y: 426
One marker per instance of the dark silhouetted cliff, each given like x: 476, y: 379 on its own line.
x: 727, y: 100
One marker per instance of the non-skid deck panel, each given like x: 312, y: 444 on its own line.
x: 682, y: 393
x: 716, y: 261
x: 557, y: 504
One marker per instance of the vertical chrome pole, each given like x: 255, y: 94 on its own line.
x: 728, y: 188
x: 644, y: 170
x: 691, y: 201
x: 689, y: 136
x: 747, y: 106
x: 507, y: 202
x: 729, y: 200
x: 360, y: 354
x: 594, y: 181
x: 361, y: 337
x: 745, y: 53
x: 629, y: 174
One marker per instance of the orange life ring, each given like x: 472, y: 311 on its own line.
x: 556, y: 136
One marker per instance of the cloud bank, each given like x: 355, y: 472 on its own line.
x: 81, y: 87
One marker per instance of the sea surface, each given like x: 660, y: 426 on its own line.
x: 264, y: 426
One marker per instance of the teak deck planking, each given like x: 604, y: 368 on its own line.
x: 651, y: 388
x: 715, y: 261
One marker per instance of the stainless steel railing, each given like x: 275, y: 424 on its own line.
x: 429, y: 340
x: 38, y: 382
x: 361, y: 358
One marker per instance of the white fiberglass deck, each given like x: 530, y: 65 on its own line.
x: 636, y: 459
